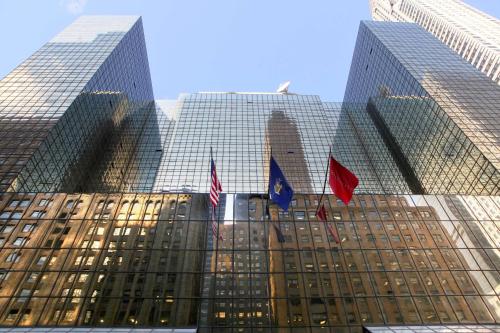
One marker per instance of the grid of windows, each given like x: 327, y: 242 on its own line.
x: 385, y: 168
x: 130, y: 256
x: 469, y: 32
x: 150, y: 260
x: 154, y: 140
x: 435, y: 146
x: 435, y: 328
x: 101, y: 330
x: 68, y: 100
x: 174, y: 148
x: 241, y: 128
x: 131, y: 145
x: 440, y: 113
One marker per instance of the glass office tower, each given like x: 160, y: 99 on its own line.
x: 243, y: 127
x: 108, y: 227
x: 471, y: 33
x: 437, y: 114
x: 63, y: 105
x: 149, y: 259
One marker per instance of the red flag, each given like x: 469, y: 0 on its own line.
x: 342, y: 181
x: 333, y: 233
x: 321, y: 213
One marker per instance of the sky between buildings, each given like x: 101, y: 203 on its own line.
x: 216, y: 45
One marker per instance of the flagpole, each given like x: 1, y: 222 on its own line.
x: 268, y: 180
x: 267, y: 209
x: 326, y: 177
x: 269, y: 172
x: 213, y: 207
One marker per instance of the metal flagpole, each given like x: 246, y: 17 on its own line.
x: 269, y: 171
x: 208, y: 281
x: 276, y: 225
x: 326, y: 177
x: 268, y: 182
x: 213, y: 207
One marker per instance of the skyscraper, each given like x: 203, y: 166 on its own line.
x: 437, y: 114
x: 109, y: 225
x: 469, y: 32
x: 67, y: 101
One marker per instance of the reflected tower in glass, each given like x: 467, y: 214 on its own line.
x: 106, y: 223
x: 436, y: 114
x: 63, y: 108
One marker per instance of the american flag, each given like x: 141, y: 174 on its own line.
x: 214, y: 225
x: 215, y: 189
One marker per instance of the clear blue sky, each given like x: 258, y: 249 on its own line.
x: 216, y: 45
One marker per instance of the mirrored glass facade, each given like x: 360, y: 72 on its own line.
x: 105, y: 221
x: 473, y: 34
x: 173, y: 147
x: 151, y: 260
x: 433, y: 109
x: 434, y: 328
x: 62, y: 109
x: 243, y: 127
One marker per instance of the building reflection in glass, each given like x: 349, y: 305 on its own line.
x: 435, y: 112
x: 150, y: 260
x: 65, y: 106
x: 284, y: 139
x: 241, y: 128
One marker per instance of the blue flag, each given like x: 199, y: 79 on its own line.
x: 279, y: 190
